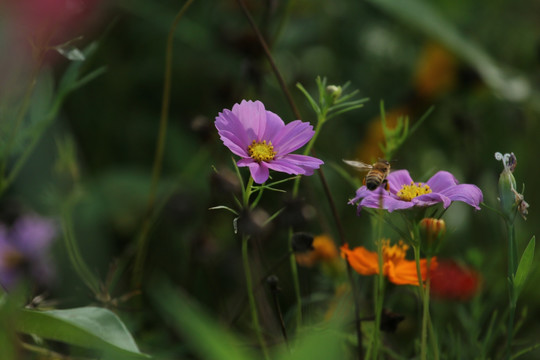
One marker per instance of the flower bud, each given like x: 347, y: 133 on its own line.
x: 432, y: 232
x: 334, y: 90
x: 510, y: 199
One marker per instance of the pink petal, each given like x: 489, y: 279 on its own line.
x: 252, y: 115
x: 441, y: 180
x: 232, y: 133
x: 273, y: 125
x: 293, y: 136
x: 282, y: 165
x: 308, y: 163
x: 259, y: 171
x: 232, y: 142
x: 381, y: 197
x: 468, y: 193
x: 432, y: 199
x: 396, y: 179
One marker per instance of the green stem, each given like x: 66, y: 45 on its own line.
x: 247, y: 194
x: 512, y: 264
x: 379, y: 288
x: 251, y: 296
x: 423, y: 295
x: 425, y: 315
x: 142, y: 241
x: 433, y: 340
x: 74, y: 253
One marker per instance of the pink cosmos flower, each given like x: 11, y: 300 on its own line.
x: 264, y: 142
x: 404, y: 193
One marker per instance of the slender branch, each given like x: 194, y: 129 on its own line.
x: 142, y: 242
x: 268, y: 54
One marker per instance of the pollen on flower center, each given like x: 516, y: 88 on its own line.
x: 409, y: 192
x: 394, y: 253
x: 261, y: 151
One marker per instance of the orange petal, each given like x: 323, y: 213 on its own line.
x: 362, y: 260
x: 404, y: 272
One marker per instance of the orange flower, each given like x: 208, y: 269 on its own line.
x: 398, y: 270
x: 324, y: 250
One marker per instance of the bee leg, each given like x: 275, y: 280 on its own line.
x: 386, y: 185
x: 364, y: 182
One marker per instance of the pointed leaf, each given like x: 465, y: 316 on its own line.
x: 309, y: 98
x: 524, y: 266
x: 89, y: 327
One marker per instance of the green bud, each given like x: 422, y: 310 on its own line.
x: 334, y: 90
x: 507, y: 183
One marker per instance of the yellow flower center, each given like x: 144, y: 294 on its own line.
x: 409, y: 192
x: 394, y: 253
x: 261, y: 151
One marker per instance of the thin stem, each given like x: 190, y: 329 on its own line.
x: 74, y: 253
x: 379, y: 287
x: 251, y: 296
x: 425, y: 314
x: 268, y: 54
x: 423, y: 295
x: 247, y: 194
x: 142, y: 242
x: 433, y: 339
x: 512, y: 264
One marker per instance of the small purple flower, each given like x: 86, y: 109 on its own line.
x: 404, y: 193
x: 23, y: 250
x: 264, y: 142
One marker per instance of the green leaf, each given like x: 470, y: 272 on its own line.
x: 223, y: 207
x: 319, y: 343
x: 309, y: 98
x: 208, y: 339
x: 524, y: 266
x: 90, y: 327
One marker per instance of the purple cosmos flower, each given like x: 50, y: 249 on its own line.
x: 23, y: 250
x: 264, y: 142
x: 404, y: 193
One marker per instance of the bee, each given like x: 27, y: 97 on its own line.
x: 376, y: 173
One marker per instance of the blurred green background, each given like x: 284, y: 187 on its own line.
x: 476, y: 62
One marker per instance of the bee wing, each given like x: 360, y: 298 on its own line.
x: 358, y: 164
